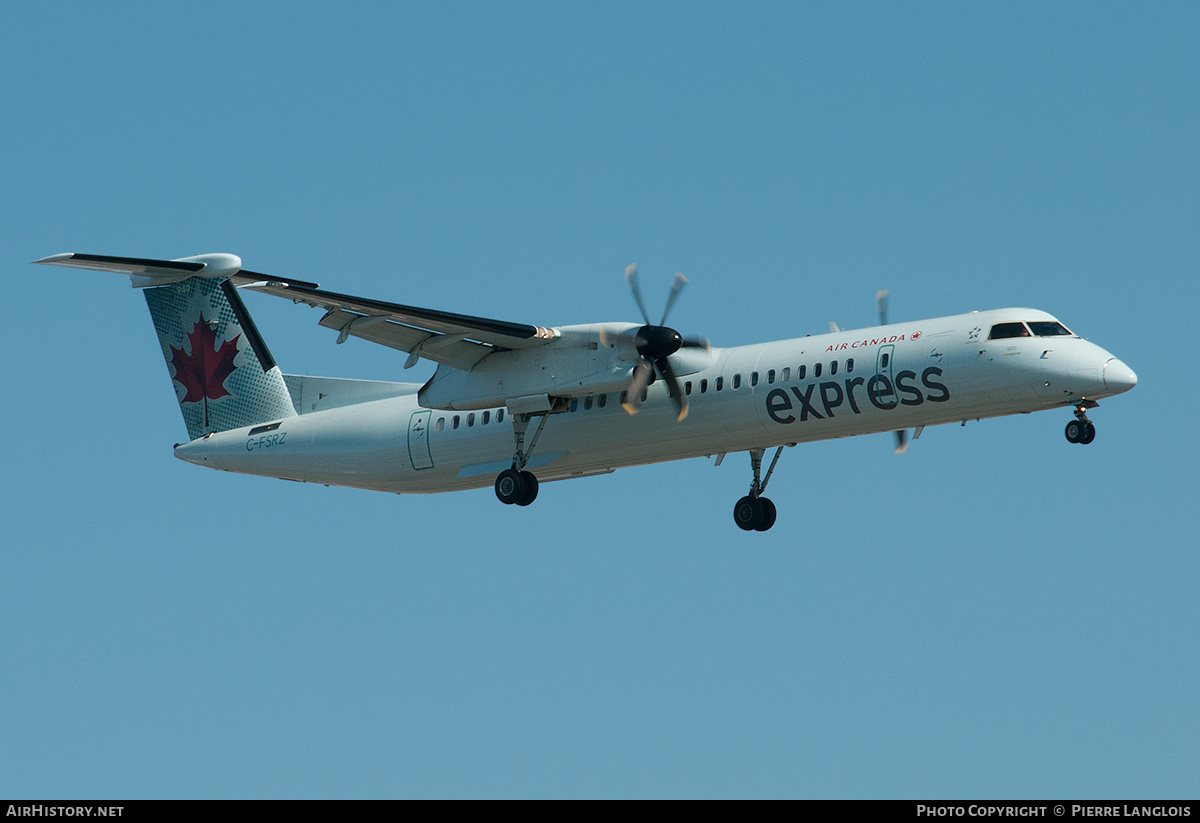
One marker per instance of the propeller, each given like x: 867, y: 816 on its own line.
x: 881, y: 300
x: 655, y: 344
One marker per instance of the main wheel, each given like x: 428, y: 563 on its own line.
x: 1074, y: 431
x: 1089, y: 433
x: 510, y: 486
x: 748, y: 513
x: 531, y: 489
x: 768, y: 518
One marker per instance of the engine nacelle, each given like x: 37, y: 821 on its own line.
x: 584, y: 360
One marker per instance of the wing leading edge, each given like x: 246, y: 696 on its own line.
x: 458, y: 340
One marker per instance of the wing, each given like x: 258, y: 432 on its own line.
x: 458, y: 340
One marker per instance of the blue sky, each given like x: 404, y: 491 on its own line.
x: 994, y: 614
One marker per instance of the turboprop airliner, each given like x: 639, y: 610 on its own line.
x: 513, y: 405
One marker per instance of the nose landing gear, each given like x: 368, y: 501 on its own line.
x: 1081, y: 430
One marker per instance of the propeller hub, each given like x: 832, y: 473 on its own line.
x: 654, y: 342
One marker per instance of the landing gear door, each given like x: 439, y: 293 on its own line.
x: 418, y: 440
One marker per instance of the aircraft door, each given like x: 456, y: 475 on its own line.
x: 418, y: 440
x: 884, y: 367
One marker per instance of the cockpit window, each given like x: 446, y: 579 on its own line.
x: 1001, y: 331
x: 1049, y: 328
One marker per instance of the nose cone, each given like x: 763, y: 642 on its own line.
x: 1118, y: 377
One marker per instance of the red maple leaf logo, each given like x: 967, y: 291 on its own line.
x: 202, y: 373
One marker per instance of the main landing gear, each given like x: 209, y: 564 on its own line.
x: 755, y: 513
x: 1082, y: 430
x: 513, y: 486
x: 516, y: 485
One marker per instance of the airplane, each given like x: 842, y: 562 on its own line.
x: 514, y: 405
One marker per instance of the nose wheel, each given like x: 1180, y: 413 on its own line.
x: 1081, y: 430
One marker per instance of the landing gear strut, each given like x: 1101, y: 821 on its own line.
x: 516, y: 485
x: 1082, y: 430
x: 755, y: 512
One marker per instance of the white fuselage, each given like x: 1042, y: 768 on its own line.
x: 881, y: 379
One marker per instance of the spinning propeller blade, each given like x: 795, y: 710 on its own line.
x: 631, y: 278
x: 676, y: 287
x: 673, y: 387
x: 655, y: 344
x: 642, y: 375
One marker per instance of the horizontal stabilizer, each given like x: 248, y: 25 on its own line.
x: 153, y: 272
x: 147, y: 272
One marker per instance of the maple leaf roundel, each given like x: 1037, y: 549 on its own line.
x: 202, y: 373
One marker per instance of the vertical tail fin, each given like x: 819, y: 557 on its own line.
x: 223, y: 373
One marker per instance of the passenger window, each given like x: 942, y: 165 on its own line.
x: 587, y: 402
x: 454, y: 422
x: 574, y: 403
x: 1003, y: 331
x: 720, y: 383
x: 484, y: 419
x: 737, y: 381
x: 800, y: 372
x: 833, y: 367
x: 603, y: 399
x: 441, y: 424
x: 883, y: 361
x: 753, y: 378
x: 500, y: 416
x: 816, y: 370
x: 687, y: 387
x: 770, y: 376
x: 787, y: 372
x: 704, y: 386
x: 470, y: 420
x: 850, y: 365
